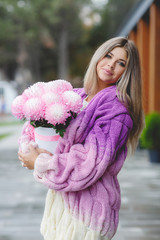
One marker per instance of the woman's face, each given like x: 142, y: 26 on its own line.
x: 111, y: 67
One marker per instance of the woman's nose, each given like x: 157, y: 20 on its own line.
x: 111, y: 64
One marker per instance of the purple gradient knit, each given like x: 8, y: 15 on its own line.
x: 87, y: 160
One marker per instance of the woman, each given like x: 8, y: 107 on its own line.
x: 84, y: 198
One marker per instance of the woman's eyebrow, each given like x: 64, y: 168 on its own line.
x: 119, y: 59
x: 122, y: 60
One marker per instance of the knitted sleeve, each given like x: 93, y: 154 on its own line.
x: 26, y: 138
x: 84, y: 163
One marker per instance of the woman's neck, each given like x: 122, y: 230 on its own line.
x: 91, y: 95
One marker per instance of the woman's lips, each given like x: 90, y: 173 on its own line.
x: 108, y: 72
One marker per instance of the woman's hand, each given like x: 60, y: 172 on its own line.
x: 28, y: 159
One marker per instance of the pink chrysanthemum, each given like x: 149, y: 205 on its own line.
x: 56, y: 114
x: 59, y: 86
x: 48, y: 103
x: 36, y: 90
x: 50, y: 98
x: 34, y: 109
x: 72, y: 100
x: 17, y: 107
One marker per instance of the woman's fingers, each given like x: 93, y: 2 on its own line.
x: 20, y: 157
x: 23, y: 164
x: 28, y: 159
x: 41, y: 150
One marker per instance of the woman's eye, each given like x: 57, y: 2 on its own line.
x: 108, y: 56
x: 122, y: 64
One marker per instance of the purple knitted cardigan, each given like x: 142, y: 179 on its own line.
x: 87, y: 160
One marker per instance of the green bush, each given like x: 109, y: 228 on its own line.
x: 150, y: 137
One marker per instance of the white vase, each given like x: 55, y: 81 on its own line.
x: 46, y: 138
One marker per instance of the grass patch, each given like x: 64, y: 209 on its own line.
x: 2, y: 136
x: 12, y: 123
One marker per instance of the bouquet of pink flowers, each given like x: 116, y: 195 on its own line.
x: 53, y: 104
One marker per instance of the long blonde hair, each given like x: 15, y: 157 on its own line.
x: 129, y: 86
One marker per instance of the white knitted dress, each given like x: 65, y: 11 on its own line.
x: 59, y: 224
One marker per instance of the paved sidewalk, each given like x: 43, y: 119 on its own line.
x: 10, y: 142
x: 22, y: 199
x: 21, y: 202
x: 140, y: 189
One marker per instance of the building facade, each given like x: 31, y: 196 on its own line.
x: 142, y: 25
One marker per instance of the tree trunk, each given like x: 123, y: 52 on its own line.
x: 63, y: 55
x: 35, y: 64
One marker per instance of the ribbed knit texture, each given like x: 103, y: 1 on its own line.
x: 87, y: 160
x: 59, y: 224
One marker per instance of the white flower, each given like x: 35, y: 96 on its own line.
x: 72, y: 100
x: 36, y: 90
x: 50, y: 98
x: 59, y: 86
x: 17, y: 107
x: 56, y: 114
x: 34, y: 109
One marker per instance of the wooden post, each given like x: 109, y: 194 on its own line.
x: 132, y: 36
x: 142, y: 45
x: 154, y: 59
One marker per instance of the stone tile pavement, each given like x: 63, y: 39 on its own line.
x: 140, y: 190
x: 22, y: 199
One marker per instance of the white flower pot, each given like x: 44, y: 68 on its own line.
x: 46, y: 138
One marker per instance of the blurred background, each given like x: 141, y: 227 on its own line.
x: 55, y: 39
x: 52, y: 39
x: 44, y: 40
